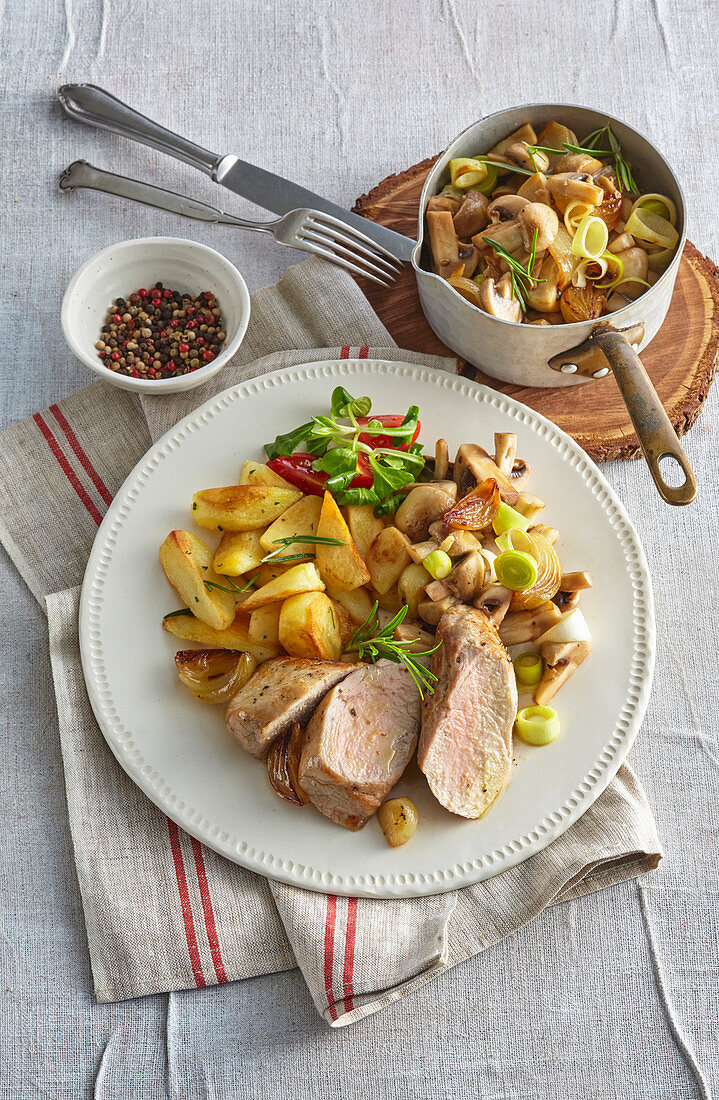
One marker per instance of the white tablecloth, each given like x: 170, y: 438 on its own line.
x: 611, y: 996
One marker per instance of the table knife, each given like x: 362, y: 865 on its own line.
x: 90, y: 104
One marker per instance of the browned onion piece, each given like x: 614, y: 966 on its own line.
x: 476, y: 510
x: 214, y: 675
x: 283, y: 766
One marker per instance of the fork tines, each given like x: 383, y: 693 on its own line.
x: 346, y: 246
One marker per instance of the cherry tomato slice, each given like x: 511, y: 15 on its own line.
x: 389, y: 420
x: 297, y: 470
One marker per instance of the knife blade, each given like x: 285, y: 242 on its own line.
x: 94, y: 106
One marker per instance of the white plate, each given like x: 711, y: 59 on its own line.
x: 176, y: 749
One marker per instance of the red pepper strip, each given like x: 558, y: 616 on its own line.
x: 297, y: 470
x: 389, y: 420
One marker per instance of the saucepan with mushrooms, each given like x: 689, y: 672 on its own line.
x: 550, y: 238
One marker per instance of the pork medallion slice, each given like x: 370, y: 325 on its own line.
x: 359, y: 741
x: 465, y: 747
x: 282, y: 691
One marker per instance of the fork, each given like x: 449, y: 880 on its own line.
x: 308, y: 230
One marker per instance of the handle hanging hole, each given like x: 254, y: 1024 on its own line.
x: 672, y: 471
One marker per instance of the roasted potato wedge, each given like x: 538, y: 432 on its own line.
x: 411, y: 585
x: 387, y: 558
x: 241, y: 507
x: 341, y: 565
x: 268, y: 572
x: 187, y: 562
x: 301, y: 518
x: 309, y: 627
x: 236, y: 636
x: 364, y: 526
x: 265, y: 624
x: 345, y: 622
x: 238, y: 552
x: 358, y: 602
x: 256, y: 473
x: 299, y: 578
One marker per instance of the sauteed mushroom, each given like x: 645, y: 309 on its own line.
x: 505, y: 450
x: 568, y: 186
x: 506, y: 208
x: 472, y: 214
x: 561, y: 660
x: 441, y: 459
x: 494, y: 600
x: 537, y: 218
x: 421, y: 506
x: 524, y: 626
x: 472, y: 465
x: 518, y: 153
x: 433, y: 610
x: 495, y: 299
x: 467, y: 577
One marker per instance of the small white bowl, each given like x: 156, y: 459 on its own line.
x: 119, y: 270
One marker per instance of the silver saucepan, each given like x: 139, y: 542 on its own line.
x: 569, y: 354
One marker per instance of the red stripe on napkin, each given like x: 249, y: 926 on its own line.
x: 345, y: 353
x: 185, y: 903
x: 66, y: 468
x: 208, y: 912
x: 330, y: 919
x: 81, y: 456
x: 363, y: 353
x: 348, y: 971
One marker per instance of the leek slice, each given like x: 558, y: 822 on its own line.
x: 507, y: 519
x: 611, y: 259
x: 515, y: 570
x: 572, y: 627
x: 528, y: 669
x: 579, y: 275
x: 467, y: 172
x: 574, y: 213
x: 647, y: 226
x: 657, y: 204
x: 537, y: 725
x: 591, y: 237
x: 489, y: 183
x: 438, y: 564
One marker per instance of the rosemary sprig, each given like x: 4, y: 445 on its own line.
x: 507, y: 164
x: 366, y: 643
x: 522, y: 277
x: 288, y: 540
x: 568, y: 148
x: 209, y: 585
x: 624, y: 172
x: 174, y: 614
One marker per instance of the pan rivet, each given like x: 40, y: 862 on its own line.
x: 568, y: 368
x: 601, y: 373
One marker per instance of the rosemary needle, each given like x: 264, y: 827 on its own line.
x: 366, y: 643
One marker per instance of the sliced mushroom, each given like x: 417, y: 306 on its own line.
x: 432, y: 611
x: 445, y: 484
x: 494, y: 600
x: 566, y: 601
x: 561, y: 660
x: 570, y: 186
x: 524, y: 626
x: 418, y: 551
x: 576, y: 582
x: 467, y: 577
x: 472, y: 465
x: 620, y: 242
x: 506, y: 207
x: 444, y: 202
x: 524, y: 133
x: 462, y: 543
x: 472, y: 214
x: 540, y: 219
x: 469, y: 257
x: 529, y: 505
x: 421, y: 639
x: 551, y: 534
x: 519, y: 153
x: 507, y: 234
x: 635, y: 266
x: 443, y: 242
x: 534, y: 189
x: 436, y: 590
x: 505, y: 450
x: 544, y: 295
x: 498, y: 304
x: 422, y: 506
x: 441, y: 459
x: 578, y: 162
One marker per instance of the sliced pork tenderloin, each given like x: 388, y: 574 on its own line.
x: 282, y: 691
x: 465, y: 747
x: 359, y: 741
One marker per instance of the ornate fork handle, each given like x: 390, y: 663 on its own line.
x: 80, y: 174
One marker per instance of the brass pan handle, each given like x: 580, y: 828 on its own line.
x: 608, y: 348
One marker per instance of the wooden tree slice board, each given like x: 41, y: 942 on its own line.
x: 681, y: 360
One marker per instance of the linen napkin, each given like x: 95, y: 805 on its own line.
x: 163, y: 912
